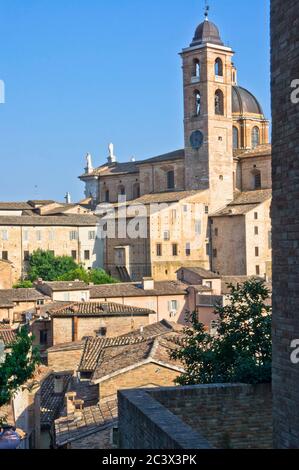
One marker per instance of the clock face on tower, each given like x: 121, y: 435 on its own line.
x: 196, y: 140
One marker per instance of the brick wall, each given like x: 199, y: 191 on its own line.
x: 60, y: 361
x: 147, y: 375
x: 217, y: 416
x: 285, y: 215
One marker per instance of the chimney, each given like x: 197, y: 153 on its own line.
x: 58, y: 385
x: 79, y: 405
x: 40, y: 281
x: 70, y: 398
x: 148, y: 283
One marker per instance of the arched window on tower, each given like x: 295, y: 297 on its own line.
x: 218, y: 68
x: 197, y: 103
x: 219, y: 103
x: 235, y: 137
x: 196, y: 70
x: 255, y: 138
x: 170, y: 180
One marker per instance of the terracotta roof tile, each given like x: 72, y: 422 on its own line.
x: 51, y: 403
x: 91, y: 420
x: 98, y: 309
x: 7, y: 335
x: 135, y: 290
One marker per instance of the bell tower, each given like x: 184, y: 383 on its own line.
x: 208, y: 126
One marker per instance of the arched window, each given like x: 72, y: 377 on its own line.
x: 121, y: 190
x: 219, y: 103
x: 257, y: 179
x: 136, y: 190
x: 170, y: 180
x: 218, y: 67
x: 235, y: 137
x: 255, y: 138
x: 197, y: 103
x: 196, y: 71
x: 107, y: 195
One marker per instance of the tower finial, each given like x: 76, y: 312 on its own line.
x: 207, y: 9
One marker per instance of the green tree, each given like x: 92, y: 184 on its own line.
x: 18, y: 366
x: 23, y: 285
x: 46, y: 265
x: 241, y: 351
x: 95, y: 276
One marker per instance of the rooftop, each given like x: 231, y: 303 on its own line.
x: 62, y: 286
x: 98, y: 309
x: 71, y: 220
x: 9, y: 296
x: 135, y: 290
x: 204, y: 273
x: 90, y: 421
x: 115, y: 359
x: 7, y: 335
x: 94, y: 347
x: 244, y: 202
x: 51, y: 402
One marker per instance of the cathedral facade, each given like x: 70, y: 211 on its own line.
x: 224, y: 170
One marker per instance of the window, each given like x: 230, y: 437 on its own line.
x: 43, y: 337
x: 170, y: 180
x: 256, y: 215
x: 5, y: 255
x: 216, y: 232
x: 159, y: 249
x: 215, y: 253
x: 121, y: 190
x: 26, y: 255
x: 257, y: 251
x: 4, y: 235
x: 197, y: 103
x: 102, y: 332
x: 166, y: 236
x: 175, y: 249
x: 107, y: 196
x: 173, y: 215
x: 115, y: 437
x: 218, y: 67
x: 87, y: 255
x: 51, y: 235
x: 256, y: 230
x: 206, y: 209
x: 173, y: 307
x: 198, y: 227
x: 26, y: 235
x: 208, y: 249
x: 196, y: 71
x: 270, y: 240
x: 39, y: 235
x: 188, y: 249
x: 257, y: 270
x: 73, y: 235
x: 40, y: 302
x: 255, y: 137
x: 219, y: 103
x: 235, y: 137
x: 257, y: 179
x: 74, y: 254
x: 91, y: 235
x: 136, y: 191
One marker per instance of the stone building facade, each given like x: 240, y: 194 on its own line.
x: 226, y: 152
x: 58, y: 229
x: 285, y: 213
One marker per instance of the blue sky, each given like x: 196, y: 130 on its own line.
x: 82, y: 73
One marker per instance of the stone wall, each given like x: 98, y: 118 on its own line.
x: 216, y: 416
x: 62, y: 360
x: 285, y: 215
x: 5, y: 275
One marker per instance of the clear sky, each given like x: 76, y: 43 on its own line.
x: 82, y: 73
